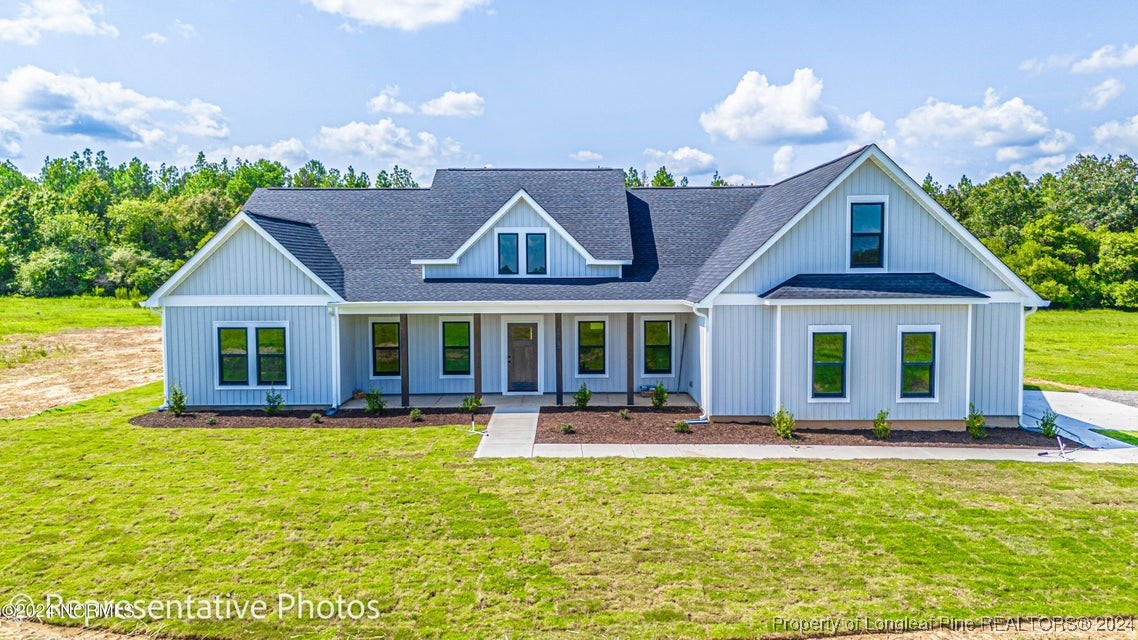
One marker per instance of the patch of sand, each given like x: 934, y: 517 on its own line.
x: 76, y: 365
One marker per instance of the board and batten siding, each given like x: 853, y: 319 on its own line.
x: 742, y: 360
x: 481, y: 259
x: 193, y: 359
x: 872, y: 365
x: 914, y: 241
x: 996, y: 339
x: 247, y: 265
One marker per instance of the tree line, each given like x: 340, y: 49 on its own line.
x: 83, y: 225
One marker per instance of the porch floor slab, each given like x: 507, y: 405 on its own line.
x: 503, y: 401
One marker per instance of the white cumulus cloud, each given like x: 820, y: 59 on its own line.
x: 9, y: 139
x: 782, y: 161
x: 388, y: 102
x: 1103, y: 94
x: 155, y: 38
x: 289, y: 152
x: 1107, y: 58
x: 758, y: 111
x: 408, y: 15
x: 54, y: 16
x: 682, y: 161
x: 456, y: 104
x: 1036, y: 66
x: 1118, y: 136
x: 387, y: 143
x: 584, y: 155
x: 64, y: 104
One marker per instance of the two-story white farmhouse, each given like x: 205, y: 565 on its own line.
x: 835, y: 293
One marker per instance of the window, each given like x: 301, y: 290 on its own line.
x: 591, y: 347
x: 658, y: 347
x: 233, y: 354
x: 918, y: 364
x: 867, y: 234
x: 456, y: 348
x: 828, y: 356
x: 508, y: 254
x: 385, y: 349
x: 271, y: 356
x: 535, y: 254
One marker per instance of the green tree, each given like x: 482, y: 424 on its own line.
x: 663, y: 178
x: 632, y: 179
x: 1098, y: 192
x: 248, y: 176
x: 717, y: 181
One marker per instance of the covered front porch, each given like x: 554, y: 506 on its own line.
x: 498, y: 400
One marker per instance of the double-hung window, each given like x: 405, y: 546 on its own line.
x: 456, y: 348
x: 385, y: 349
x: 233, y: 355
x: 657, y: 347
x: 271, y: 356
x: 867, y: 235
x: 252, y: 354
x: 591, y: 347
x: 828, y: 354
x: 918, y: 362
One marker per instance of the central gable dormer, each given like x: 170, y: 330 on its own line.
x: 526, y: 224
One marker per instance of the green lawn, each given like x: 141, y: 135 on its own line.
x: 1129, y: 437
x: 1097, y: 348
x: 45, y: 315
x: 92, y: 507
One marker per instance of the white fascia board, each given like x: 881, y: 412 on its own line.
x: 500, y: 213
x: 518, y: 306
x: 831, y: 302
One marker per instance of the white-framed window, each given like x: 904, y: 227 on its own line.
x: 251, y: 355
x: 592, y: 347
x: 866, y: 224
x: 657, y: 346
x: 456, y: 338
x: 918, y: 362
x: 522, y: 251
x: 829, y: 349
x: 385, y: 347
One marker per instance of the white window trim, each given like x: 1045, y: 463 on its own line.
x: 469, y: 319
x: 920, y: 328
x: 640, y: 355
x: 251, y: 350
x: 885, y: 235
x: 523, y: 255
x: 577, y: 346
x: 506, y: 321
x: 371, y: 347
x: 827, y: 328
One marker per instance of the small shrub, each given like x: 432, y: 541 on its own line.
x: 881, y: 425
x: 416, y: 415
x: 177, y: 400
x: 582, y: 397
x: 682, y: 426
x: 470, y: 404
x: 974, y: 423
x: 374, y: 400
x: 659, y: 396
x: 316, y: 418
x: 273, y: 402
x: 783, y: 423
x: 567, y: 428
x: 624, y: 414
x: 1048, y: 424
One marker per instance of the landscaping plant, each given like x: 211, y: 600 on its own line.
x: 177, y: 400
x: 881, y: 425
x: 471, y: 404
x: 624, y: 414
x: 1047, y: 424
x: 974, y: 423
x: 783, y: 423
x: 273, y: 402
x: 659, y: 396
x: 682, y: 426
x: 374, y: 400
x: 212, y: 421
x: 316, y: 418
x: 416, y: 415
x: 567, y: 428
x: 582, y: 397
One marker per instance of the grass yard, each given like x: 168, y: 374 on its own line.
x: 92, y: 507
x: 36, y: 316
x: 1129, y: 437
x: 1096, y: 348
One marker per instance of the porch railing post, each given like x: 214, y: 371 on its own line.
x: 405, y: 374
x: 630, y: 373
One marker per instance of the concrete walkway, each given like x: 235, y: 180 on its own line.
x: 1078, y: 414
x: 510, y: 433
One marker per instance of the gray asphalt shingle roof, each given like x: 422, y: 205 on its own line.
x: 830, y: 286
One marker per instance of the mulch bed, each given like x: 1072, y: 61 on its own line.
x: 645, y: 426
x: 352, y: 419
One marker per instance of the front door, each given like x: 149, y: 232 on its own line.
x: 521, y: 356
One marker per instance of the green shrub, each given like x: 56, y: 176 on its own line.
x: 177, y: 400
x: 470, y: 404
x: 212, y: 421
x: 624, y: 414
x: 582, y: 397
x: 974, y: 423
x: 881, y: 426
x: 374, y: 400
x: 416, y: 415
x: 1048, y: 423
x: 659, y: 396
x: 682, y: 426
x: 273, y: 402
x: 783, y: 423
x: 315, y: 417
x: 567, y: 428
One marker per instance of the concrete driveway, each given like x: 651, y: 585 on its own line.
x: 1079, y: 414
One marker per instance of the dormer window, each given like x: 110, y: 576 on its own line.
x: 535, y: 254
x: 867, y: 233
x: 523, y: 252
x: 507, y: 254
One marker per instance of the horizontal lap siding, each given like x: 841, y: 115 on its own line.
x: 246, y: 264
x: 914, y: 241
x: 996, y: 383
x: 872, y: 364
x: 742, y: 360
x: 192, y: 354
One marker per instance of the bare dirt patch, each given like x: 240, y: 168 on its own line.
x: 648, y: 426
x: 353, y: 419
x: 45, y: 371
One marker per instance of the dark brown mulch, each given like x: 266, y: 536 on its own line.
x: 645, y: 426
x: 353, y: 419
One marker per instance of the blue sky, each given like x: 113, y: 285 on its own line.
x: 754, y: 90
